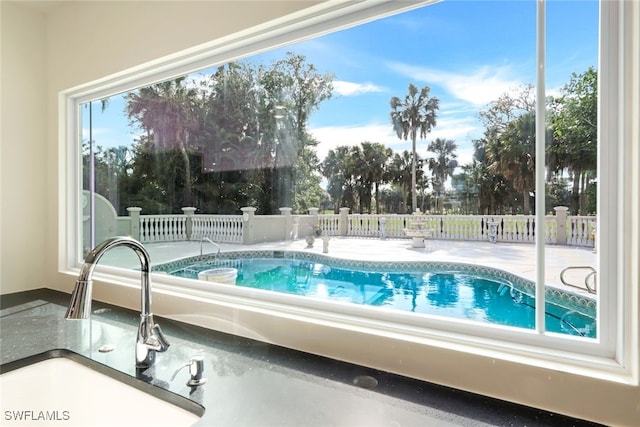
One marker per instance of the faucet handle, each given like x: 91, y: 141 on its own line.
x: 161, y: 343
x: 150, y: 341
x: 196, y: 369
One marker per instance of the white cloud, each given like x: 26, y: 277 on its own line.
x: 345, y: 88
x: 331, y: 137
x: 465, y: 156
x: 479, y: 86
x: 110, y: 137
x: 456, y: 128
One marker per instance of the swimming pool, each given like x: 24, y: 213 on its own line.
x: 463, y: 291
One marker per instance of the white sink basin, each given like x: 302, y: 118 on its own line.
x: 63, y: 388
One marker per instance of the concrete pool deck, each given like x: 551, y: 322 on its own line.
x: 517, y: 258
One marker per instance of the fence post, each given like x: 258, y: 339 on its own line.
x: 189, y: 223
x: 343, y: 221
x: 288, y: 223
x: 248, y: 215
x: 561, y: 224
x: 134, y: 221
x: 313, y: 212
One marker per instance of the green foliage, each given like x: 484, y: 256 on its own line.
x: 238, y: 137
x: 309, y: 193
x: 442, y: 164
x: 574, y: 146
x: 591, y: 199
x: 339, y: 169
x: 400, y: 174
x: 112, y: 168
x: 356, y: 173
x: 508, y: 148
x: 557, y: 194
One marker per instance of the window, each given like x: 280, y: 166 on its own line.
x: 257, y: 127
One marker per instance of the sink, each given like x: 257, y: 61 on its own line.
x: 61, y: 387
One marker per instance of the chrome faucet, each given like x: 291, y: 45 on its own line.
x: 150, y: 338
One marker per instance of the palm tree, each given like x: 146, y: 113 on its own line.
x: 413, y: 117
x: 363, y: 185
x: 374, y: 157
x: 493, y: 188
x: 397, y: 174
x: 442, y: 165
x: 513, y: 155
x: 472, y: 177
x: 338, y: 168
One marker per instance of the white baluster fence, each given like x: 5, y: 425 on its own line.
x: 163, y: 228
x: 559, y: 229
x: 219, y: 228
x: 581, y: 230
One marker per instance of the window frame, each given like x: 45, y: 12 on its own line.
x: 609, y: 354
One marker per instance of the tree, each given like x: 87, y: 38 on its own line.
x: 363, y: 183
x: 293, y: 89
x: 234, y: 153
x: 466, y: 189
x: 390, y: 199
x: 154, y: 180
x: 557, y: 194
x: 422, y: 185
x: 400, y: 174
x: 574, y: 125
x: 338, y: 168
x: 493, y: 188
x: 442, y: 165
x: 508, y: 145
x: 111, y: 167
x: 512, y: 153
x: 413, y: 117
x: 371, y: 163
x: 508, y: 106
x: 241, y: 132
x: 378, y: 157
x: 308, y: 189
x: 166, y: 111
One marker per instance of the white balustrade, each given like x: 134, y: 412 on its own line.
x: 219, y: 228
x: 162, y: 228
x: 364, y: 225
x: 580, y: 230
x: 329, y: 224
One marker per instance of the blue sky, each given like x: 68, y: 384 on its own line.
x: 468, y: 53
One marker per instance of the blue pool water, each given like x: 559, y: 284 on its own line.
x: 452, y: 292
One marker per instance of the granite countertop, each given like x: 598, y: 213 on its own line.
x: 251, y: 383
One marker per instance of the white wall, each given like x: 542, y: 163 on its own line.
x: 23, y: 165
x: 83, y: 41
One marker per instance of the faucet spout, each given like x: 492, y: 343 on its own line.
x: 150, y: 337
